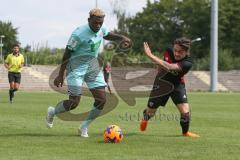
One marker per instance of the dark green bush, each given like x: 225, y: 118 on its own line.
x: 225, y: 60
x: 46, y: 56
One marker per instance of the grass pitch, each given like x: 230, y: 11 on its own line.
x: 215, y: 117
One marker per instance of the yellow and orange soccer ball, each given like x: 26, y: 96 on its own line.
x: 113, y: 134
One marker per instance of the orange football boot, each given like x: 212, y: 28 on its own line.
x: 143, y: 125
x: 190, y: 134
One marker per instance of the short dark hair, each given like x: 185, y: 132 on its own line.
x: 184, y: 42
x: 16, y: 45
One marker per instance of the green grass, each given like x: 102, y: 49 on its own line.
x: 215, y: 116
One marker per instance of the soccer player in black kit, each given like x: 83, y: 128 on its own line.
x: 170, y: 78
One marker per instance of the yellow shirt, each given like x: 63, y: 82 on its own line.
x: 14, y: 62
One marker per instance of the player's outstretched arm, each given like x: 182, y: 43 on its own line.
x: 162, y: 63
x: 117, y: 37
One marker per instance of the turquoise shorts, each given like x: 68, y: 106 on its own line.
x: 90, y: 73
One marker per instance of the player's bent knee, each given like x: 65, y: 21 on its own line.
x: 71, y: 104
x: 99, y: 104
x: 74, y: 105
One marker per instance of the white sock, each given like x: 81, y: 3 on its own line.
x: 94, y: 113
x: 59, y: 108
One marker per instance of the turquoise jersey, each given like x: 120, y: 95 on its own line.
x: 84, y: 41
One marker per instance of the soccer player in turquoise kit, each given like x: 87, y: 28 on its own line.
x: 81, y: 65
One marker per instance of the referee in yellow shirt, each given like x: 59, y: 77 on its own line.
x: 14, y: 63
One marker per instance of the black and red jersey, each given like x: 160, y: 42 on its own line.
x: 177, y: 77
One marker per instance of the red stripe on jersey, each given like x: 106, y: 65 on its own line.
x: 167, y: 57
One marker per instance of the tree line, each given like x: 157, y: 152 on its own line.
x: 160, y: 22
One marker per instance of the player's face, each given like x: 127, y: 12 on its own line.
x: 16, y: 50
x: 179, y: 52
x: 95, y: 23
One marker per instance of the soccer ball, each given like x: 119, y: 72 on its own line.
x: 113, y: 134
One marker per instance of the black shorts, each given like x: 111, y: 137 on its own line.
x: 161, y: 92
x: 14, y: 77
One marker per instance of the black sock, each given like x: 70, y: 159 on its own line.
x: 185, y: 121
x: 146, y: 116
x: 13, y: 92
x: 10, y: 94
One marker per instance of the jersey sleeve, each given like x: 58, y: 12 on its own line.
x: 73, y: 42
x: 7, y: 59
x: 22, y: 59
x: 105, y: 30
x: 185, y: 66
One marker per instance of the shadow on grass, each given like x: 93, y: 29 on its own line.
x: 171, y: 136
x: 93, y: 135
x: 38, y: 135
x: 148, y: 134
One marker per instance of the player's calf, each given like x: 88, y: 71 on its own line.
x: 11, y: 95
x: 184, y: 122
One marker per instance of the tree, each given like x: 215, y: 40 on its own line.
x: 157, y: 24
x: 229, y: 25
x: 10, y: 33
x: 118, y: 7
x: 197, y: 23
x: 163, y: 21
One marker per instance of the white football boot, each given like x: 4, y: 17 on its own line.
x: 49, y: 117
x: 83, y: 132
